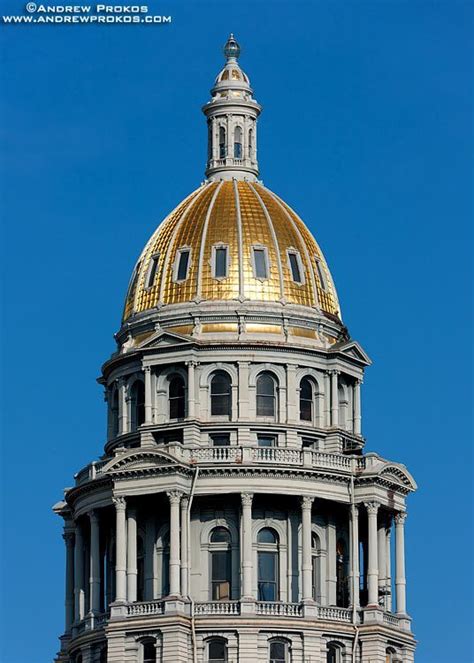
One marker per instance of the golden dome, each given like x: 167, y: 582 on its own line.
x: 240, y: 242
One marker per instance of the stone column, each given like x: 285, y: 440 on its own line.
x: 327, y: 400
x: 357, y: 411
x: 94, y: 566
x: 334, y: 399
x: 292, y: 401
x: 382, y: 551
x: 68, y: 537
x: 388, y: 565
x: 148, y: 399
x: 123, y: 408
x: 400, y: 581
x: 184, y: 547
x: 230, y: 136
x: 191, y: 389
x: 372, y: 566
x: 246, y: 546
x: 120, y: 550
x: 243, y: 389
x: 79, y: 598
x: 354, y: 552
x: 174, y: 497
x: 131, y: 555
x: 306, y: 566
x: 331, y: 563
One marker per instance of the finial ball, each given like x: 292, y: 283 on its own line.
x: 231, y: 48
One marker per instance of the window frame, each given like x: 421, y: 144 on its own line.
x: 264, y: 249
x: 299, y: 263
x: 287, y: 651
x: 176, y: 399
x: 227, y: 416
x: 213, y: 436
x: 266, y: 549
x: 219, y: 548
x: 269, y: 417
x: 221, y: 640
x: 152, y: 271
x: 311, y: 401
x: 215, y: 248
x: 180, y: 252
x: 320, y: 273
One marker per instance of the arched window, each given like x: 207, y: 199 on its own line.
x: 268, y: 562
x: 217, y: 650
x: 138, y: 404
x: 306, y: 400
x: 177, y: 397
x: 250, y: 143
x: 332, y: 655
x: 140, y: 569
x: 221, y: 394
x: 238, y: 143
x: 315, y: 568
x: 342, y: 589
x: 222, y: 144
x: 149, y: 651
x: 266, y: 400
x: 279, y: 651
x: 221, y: 570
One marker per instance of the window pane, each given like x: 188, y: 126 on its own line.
x: 295, y: 267
x: 266, y: 566
x: 266, y: 441
x: 220, y: 535
x: 267, y: 535
x: 265, y: 406
x: 217, y: 650
x: 177, y: 398
x: 277, y: 651
x: 183, y: 265
x: 220, y: 262
x: 152, y: 271
x: 220, y: 440
x: 221, y: 394
x: 322, y: 278
x: 260, y: 263
x: 149, y: 652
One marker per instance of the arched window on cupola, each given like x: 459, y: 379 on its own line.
x: 137, y: 399
x: 149, y: 651
x: 177, y: 397
x: 342, y: 585
x: 266, y: 395
x: 250, y: 143
x: 221, y: 394
x: 279, y: 651
x: 316, y: 567
x: 221, y: 564
x: 222, y: 143
x: 268, y: 565
x: 217, y: 650
x: 306, y: 400
x: 238, y: 142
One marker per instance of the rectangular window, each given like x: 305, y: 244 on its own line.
x: 220, y: 570
x: 183, y: 264
x: 294, y: 259
x: 260, y: 263
x: 266, y: 440
x: 220, y: 440
x: 267, y: 576
x: 220, y: 262
x: 152, y: 267
x: 322, y: 277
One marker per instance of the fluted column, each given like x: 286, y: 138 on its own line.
x: 148, y: 399
x: 246, y: 546
x: 327, y: 400
x: 131, y: 555
x: 79, y: 598
x: 68, y: 537
x: 306, y: 567
x: 243, y: 367
x: 382, y: 551
x: 184, y: 547
x: 400, y: 581
x: 123, y: 408
x: 191, y: 389
x: 388, y: 565
x: 372, y: 566
x: 174, y: 497
x: 94, y: 565
x: 357, y: 410
x: 334, y: 399
x: 355, y: 573
x: 120, y: 550
x: 292, y: 400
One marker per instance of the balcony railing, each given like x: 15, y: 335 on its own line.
x: 146, y: 608
x: 334, y: 614
x: 217, y: 608
x: 277, y: 609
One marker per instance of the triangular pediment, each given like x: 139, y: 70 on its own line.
x: 399, y: 474
x: 139, y: 459
x: 161, y: 338
x: 354, y: 350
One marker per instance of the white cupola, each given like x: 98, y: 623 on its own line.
x: 232, y: 122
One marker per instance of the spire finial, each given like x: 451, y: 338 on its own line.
x: 232, y: 48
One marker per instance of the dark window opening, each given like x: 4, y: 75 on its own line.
x: 260, y: 261
x: 152, y: 270
x: 277, y: 652
x: 220, y: 440
x: 266, y: 440
x: 306, y: 400
x: 265, y: 396
x: 183, y: 262
x: 138, y: 402
x: 221, y: 394
x: 217, y: 651
x: 295, y: 267
x: 222, y: 144
x: 220, y: 262
x: 149, y: 652
x: 177, y: 397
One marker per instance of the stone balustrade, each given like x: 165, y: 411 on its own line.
x: 391, y: 620
x: 334, y: 614
x: 217, y: 608
x: 146, y: 608
x: 279, y: 609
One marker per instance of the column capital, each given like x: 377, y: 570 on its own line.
x: 147, y: 369
x: 372, y: 507
x: 400, y: 518
x: 120, y: 502
x: 193, y: 363
x: 184, y: 502
x: 354, y: 511
x: 307, y: 502
x: 359, y: 381
x: 174, y: 496
x: 246, y: 498
x: 69, y: 538
x: 93, y: 516
x: 334, y: 372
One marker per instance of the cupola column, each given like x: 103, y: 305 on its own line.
x: 382, y: 551
x: 79, y: 597
x: 94, y: 566
x: 174, y: 497
x: 148, y: 403
x: 191, y: 389
x: 357, y: 412
x: 306, y: 567
x: 184, y: 547
x: 372, y: 566
x: 400, y: 581
x: 69, y: 602
x: 334, y: 399
x: 354, y: 552
x: 388, y: 565
x: 131, y: 555
x: 123, y: 410
x: 246, y: 546
x: 120, y: 550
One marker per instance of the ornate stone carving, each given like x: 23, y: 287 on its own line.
x: 372, y: 508
x: 307, y: 502
x: 174, y: 496
x: 120, y: 502
x: 400, y: 518
x: 247, y: 499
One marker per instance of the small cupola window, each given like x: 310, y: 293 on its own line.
x: 182, y: 265
x: 260, y: 262
x: 296, y: 266
x: 220, y: 261
x: 238, y: 143
x: 321, y: 274
x: 222, y: 145
x: 152, y: 268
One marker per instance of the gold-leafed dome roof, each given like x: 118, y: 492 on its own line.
x: 231, y: 240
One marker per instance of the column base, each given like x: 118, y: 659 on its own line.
x: 373, y: 615
x: 175, y: 605
x: 310, y: 609
x: 248, y: 606
x: 118, y: 610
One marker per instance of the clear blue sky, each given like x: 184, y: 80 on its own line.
x: 366, y: 130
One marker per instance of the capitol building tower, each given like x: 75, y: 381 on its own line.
x: 234, y: 516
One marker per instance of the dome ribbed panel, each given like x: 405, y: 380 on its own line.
x: 222, y: 229
x: 288, y: 238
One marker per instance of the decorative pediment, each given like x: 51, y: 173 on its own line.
x: 398, y: 474
x: 354, y: 350
x: 161, y: 338
x: 139, y: 459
